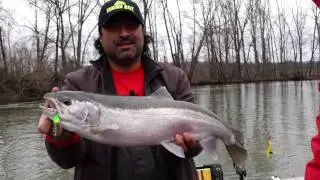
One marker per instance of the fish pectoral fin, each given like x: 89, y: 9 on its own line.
x: 209, y: 146
x: 174, y: 148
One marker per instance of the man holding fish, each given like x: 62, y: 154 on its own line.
x: 125, y: 69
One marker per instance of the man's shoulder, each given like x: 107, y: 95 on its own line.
x: 170, y: 68
x: 176, y: 82
x: 82, y: 79
x: 84, y: 72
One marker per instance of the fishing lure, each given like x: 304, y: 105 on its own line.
x: 56, y: 131
x: 269, y: 147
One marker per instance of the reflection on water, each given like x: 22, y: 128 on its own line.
x: 285, y: 110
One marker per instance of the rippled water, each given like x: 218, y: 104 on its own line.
x: 22, y: 152
x: 286, y: 110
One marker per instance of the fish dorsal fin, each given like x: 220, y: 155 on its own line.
x: 161, y: 93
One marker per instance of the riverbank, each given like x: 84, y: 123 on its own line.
x: 33, y: 87
x: 214, y: 82
x: 30, y: 87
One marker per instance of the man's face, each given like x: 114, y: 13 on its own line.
x: 122, y: 39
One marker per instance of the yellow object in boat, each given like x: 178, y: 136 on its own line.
x: 210, y: 172
x: 205, y: 174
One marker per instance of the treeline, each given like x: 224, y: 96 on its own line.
x: 213, y: 41
x: 241, y: 40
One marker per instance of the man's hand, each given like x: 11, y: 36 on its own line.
x: 45, y: 124
x: 189, y: 144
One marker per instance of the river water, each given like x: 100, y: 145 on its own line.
x: 285, y: 110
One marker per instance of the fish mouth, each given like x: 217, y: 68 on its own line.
x: 50, y: 107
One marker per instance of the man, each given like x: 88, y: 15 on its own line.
x: 124, y: 68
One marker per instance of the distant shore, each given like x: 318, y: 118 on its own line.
x: 14, y: 98
x: 201, y: 83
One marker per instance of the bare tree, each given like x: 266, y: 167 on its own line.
x: 270, y: 38
x: 62, y: 37
x: 60, y: 8
x: 150, y: 16
x: 196, y: 46
x: 146, y: 9
x: 215, y: 32
x: 253, y: 8
x: 237, y: 33
x: 3, y: 55
x: 263, y: 22
x: 299, y: 19
x: 173, y: 32
x: 42, y: 38
x: 5, y: 25
x: 293, y: 43
x: 227, y: 34
x: 83, y: 12
x: 282, y: 40
x: 314, y: 42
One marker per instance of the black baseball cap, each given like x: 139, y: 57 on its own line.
x: 114, y: 6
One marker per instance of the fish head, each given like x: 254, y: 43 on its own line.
x: 76, y: 109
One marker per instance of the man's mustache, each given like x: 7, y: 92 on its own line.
x: 125, y: 40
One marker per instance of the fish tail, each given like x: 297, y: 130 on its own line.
x: 238, y: 153
x: 239, y: 156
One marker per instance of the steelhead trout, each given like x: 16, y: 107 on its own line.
x: 143, y: 121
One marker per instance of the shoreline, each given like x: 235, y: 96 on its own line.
x: 203, y: 83
x: 9, y: 99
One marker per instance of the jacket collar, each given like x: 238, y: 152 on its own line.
x: 151, y: 69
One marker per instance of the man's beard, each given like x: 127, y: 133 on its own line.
x: 125, y: 58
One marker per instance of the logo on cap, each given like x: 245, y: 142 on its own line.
x: 120, y: 5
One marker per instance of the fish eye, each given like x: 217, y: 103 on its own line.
x: 66, y: 101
